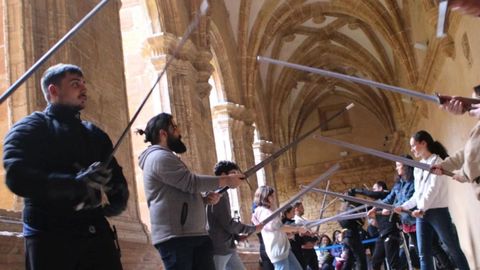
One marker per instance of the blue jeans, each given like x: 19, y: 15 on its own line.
x: 290, y: 263
x: 228, y: 262
x: 187, y: 253
x: 438, y: 219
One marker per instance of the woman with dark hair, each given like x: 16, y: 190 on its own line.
x: 431, y: 200
x: 337, y: 241
x: 325, y: 257
x: 274, y: 233
x: 400, y: 193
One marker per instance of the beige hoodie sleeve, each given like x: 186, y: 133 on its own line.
x: 454, y: 162
x: 468, y: 159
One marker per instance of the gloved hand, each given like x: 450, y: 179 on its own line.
x: 92, y: 199
x: 351, y: 192
x: 96, y: 176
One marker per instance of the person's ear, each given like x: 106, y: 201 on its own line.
x: 53, y: 90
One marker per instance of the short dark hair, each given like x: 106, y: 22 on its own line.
x: 382, y: 184
x: 476, y: 89
x: 224, y: 166
x: 54, y: 74
x: 154, y: 125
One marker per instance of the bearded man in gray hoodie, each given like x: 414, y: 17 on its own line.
x: 177, y: 208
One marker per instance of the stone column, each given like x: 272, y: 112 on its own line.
x: 264, y: 149
x: 188, y: 94
x: 36, y: 25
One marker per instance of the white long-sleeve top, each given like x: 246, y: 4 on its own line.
x: 276, y: 241
x: 431, y: 190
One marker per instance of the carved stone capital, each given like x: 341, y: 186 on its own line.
x: 235, y: 111
x: 161, y: 44
x: 264, y: 146
x: 447, y: 46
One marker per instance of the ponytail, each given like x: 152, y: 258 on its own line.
x: 433, y: 147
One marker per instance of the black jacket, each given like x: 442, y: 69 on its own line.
x: 42, y: 155
x: 386, y: 224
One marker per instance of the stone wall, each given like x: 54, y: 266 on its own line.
x: 34, y: 26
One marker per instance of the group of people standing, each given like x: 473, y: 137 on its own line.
x: 56, y: 161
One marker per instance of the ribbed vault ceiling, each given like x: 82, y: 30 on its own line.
x: 364, y: 38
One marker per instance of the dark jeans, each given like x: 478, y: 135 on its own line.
x: 387, y: 247
x: 310, y: 258
x: 443, y: 261
x: 438, y: 220
x: 187, y: 253
x: 72, y: 250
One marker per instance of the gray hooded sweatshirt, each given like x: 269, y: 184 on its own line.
x: 173, y: 195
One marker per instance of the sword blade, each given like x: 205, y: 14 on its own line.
x: 51, y: 51
x: 275, y: 155
x: 317, y: 222
x: 336, y: 218
x: 302, y: 192
x: 331, y: 74
x: 375, y: 204
x: 374, y: 152
x: 380, y: 154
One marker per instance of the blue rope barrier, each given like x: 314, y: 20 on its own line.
x: 340, y: 246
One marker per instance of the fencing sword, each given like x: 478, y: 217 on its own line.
x: 437, y: 98
x: 339, y: 218
x: 275, y: 155
x: 388, y: 156
x: 302, y: 192
x: 335, y: 217
x: 191, y: 27
x: 52, y: 50
x: 269, y: 159
x: 376, y: 204
x: 322, y: 211
x: 406, y: 248
x: 442, y: 14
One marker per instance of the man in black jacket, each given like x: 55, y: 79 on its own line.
x: 52, y: 159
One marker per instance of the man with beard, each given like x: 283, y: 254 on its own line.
x: 177, y: 210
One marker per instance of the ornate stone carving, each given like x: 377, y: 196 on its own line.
x: 466, y: 49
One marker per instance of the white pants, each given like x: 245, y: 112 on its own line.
x: 228, y: 262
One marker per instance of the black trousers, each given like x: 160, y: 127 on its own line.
x: 310, y: 258
x: 387, y: 247
x: 187, y: 253
x: 90, y: 249
x: 355, y: 252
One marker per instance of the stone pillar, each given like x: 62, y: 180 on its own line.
x: 285, y: 183
x: 188, y: 96
x: 36, y: 25
x: 263, y: 149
